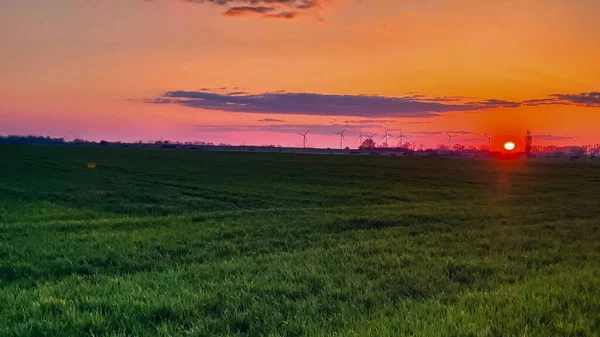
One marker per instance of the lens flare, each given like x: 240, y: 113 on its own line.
x: 509, y: 146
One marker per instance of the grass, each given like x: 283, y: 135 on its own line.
x: 177, y: 243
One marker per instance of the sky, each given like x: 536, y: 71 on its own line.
x: 256, y: 72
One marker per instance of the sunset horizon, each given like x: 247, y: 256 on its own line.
x: 305, y: 168
x: 256, y: 73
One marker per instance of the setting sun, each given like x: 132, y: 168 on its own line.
x: 509, y: 146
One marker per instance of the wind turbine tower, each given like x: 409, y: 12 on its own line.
x: 401, y: 137
x: 360, y: 137
x: 450, y: 136
x: 304, y: 136
x: 489, y: 141
x: 386, y: 137
x: 341, y: 138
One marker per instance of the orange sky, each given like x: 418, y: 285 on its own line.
x: 85, y: 68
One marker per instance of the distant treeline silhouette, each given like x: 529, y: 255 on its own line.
x: 457, y: 149
x: 30, y: 140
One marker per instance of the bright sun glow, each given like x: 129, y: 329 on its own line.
x: 509, y: 146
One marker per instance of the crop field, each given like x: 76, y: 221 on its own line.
x: 188, y: 243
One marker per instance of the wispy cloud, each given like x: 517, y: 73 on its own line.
x: 271, y: 120
x: 368, y: 121
x: 551, y: 137
x: 315, y: 129
x: 426, y: 133
x: 460, y: 132
x: 419, y: 122
x: 247, y: 10
x: 282, y: 15
x: 270, y: 9
x: 585, y: 99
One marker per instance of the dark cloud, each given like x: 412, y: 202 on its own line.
x: 368, y: 106
x: 542, y: 101
x: 282, y: 15
x: 247, y: 10
x: 423, y: 98
x: 460, y: 132
x: 368, y: 121
x: 586, y: 99
x: 271, y: 120
x: 216, y: 89
x: 590, y: 99
x: 419, y: 122
x: 283, y: 9
x: 320, y: 104
x: 497, y: 103
x: 551, y: 137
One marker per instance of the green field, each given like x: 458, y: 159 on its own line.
x: 187, y: 243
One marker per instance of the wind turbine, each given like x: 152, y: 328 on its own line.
x: 360, y: 137
x: 401, y: 137
x: 489, y: 140
x: 342, y: 138
x: 304, y: 136
x: 371, y: 137
x: 450, y: 139
x: 386, y: 137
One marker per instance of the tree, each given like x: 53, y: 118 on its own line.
x: 368, y: 144
x: 458, y: 147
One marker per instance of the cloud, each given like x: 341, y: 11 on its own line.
x: 585, y: 99
x: 460, y: 132
x: 247, y: 10
x: 542, y: 101
x: 551, y: 137
x: 367, y: 106
x: 419, y: 122
x: 270, y: 9
x: 282, y: 102
x: 590, y: 99
x: 426, y: 133
x: 282, y: 15
x: 315, y: 129
x: 368, y: 121
x: 432, y: 133
x: 271, y: 120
